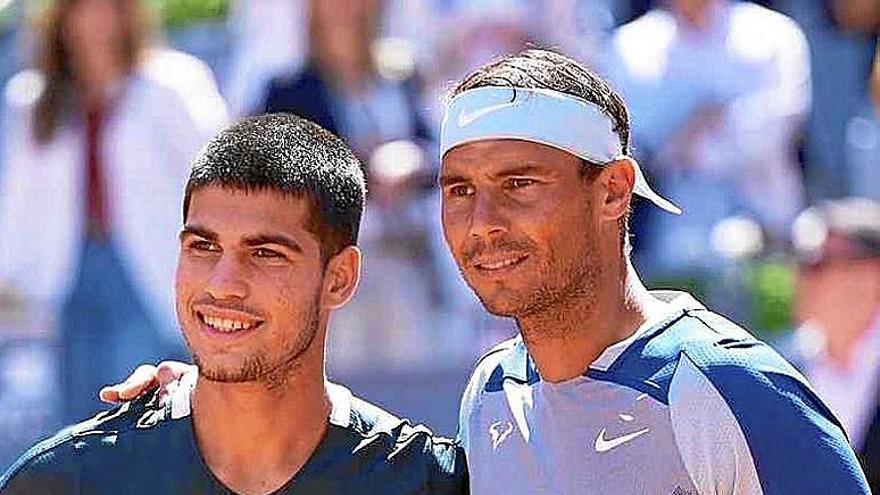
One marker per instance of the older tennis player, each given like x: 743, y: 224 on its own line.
x: 609, y: 388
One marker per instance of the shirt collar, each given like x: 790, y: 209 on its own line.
x: 676, y: 305
x: 340, y: 402
x: 180, y: 397
x: 519, y: 366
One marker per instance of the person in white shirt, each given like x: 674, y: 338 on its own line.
x: 719, y: 90
x: 837, y: 303
x: 97, y: 142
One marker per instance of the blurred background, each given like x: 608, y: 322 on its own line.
x: 762, y: 120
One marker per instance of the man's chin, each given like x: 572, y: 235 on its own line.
x: 249, y: 370
x: 504, y: 305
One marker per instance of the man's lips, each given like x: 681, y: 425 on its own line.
x: 496, y: 263
x: 225, y: 320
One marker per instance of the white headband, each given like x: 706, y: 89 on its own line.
x: 541, y: 116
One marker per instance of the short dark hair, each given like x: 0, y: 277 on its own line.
x: 544, y: 69
x: 288, y: 154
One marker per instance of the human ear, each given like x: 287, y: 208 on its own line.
x: 617, y: 180
x: 341, y: 277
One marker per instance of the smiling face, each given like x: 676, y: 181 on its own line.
x: 251, y: 291
x: 521, y: 223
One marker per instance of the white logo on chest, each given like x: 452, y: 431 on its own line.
x: 499, y: 431
x: 604, y: 444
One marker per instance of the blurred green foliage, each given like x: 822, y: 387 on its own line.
x: 175, y: 13
x: 692, y: 284
x: 771, y: 287
x: 171, y: 13
x: 6, y: 14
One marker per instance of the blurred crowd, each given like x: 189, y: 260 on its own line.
x: 761, y: 120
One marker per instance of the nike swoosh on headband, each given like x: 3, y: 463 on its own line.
x: 466, y: 117
x: 542, y: 116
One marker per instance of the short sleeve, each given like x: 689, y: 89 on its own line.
x: 745, y: 429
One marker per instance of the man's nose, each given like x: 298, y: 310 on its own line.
x: 228, y: 279
x: 487, y: 217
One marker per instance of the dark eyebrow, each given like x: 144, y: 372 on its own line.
x: 522, y: 170
x: 200, y: 231
x: 281, y: 240
x: 448, y: 180
x: 250, y: 241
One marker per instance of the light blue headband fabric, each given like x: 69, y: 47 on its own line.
x: 540, y: 116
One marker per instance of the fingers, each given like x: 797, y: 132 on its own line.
x: 169, y: 371
x: 143, y: 379
x: 109, y: 395
x: 169, y: 375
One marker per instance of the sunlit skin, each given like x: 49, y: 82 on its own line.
x: 523, y: 205
x: 268, y: 277
x: 249, y: 260
x: 840, y: 297
x: 539, y: 241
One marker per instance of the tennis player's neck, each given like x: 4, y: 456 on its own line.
x: 564, y: 341
x: 255, y: 439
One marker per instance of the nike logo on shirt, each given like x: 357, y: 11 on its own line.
x: 605, y: 444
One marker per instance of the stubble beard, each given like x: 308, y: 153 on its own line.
x: 557, y: 290
x: 258, y: 367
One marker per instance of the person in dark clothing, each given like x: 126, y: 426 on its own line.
x: 267, y: 251
x: 341, y: 87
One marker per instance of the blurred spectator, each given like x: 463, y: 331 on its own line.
x: 416, y: 22
x: 473, y: 32
x: 863, y: 142
x: 97, y: 143
x: 716, y: 91
x: 484, y: 30
x: 398, y: 293
x: 582, y: 28
x: 842, y: 36
x: 352, y: 84
x: 268, y: 37
x: 838, y: 307
x: 364, y: 88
